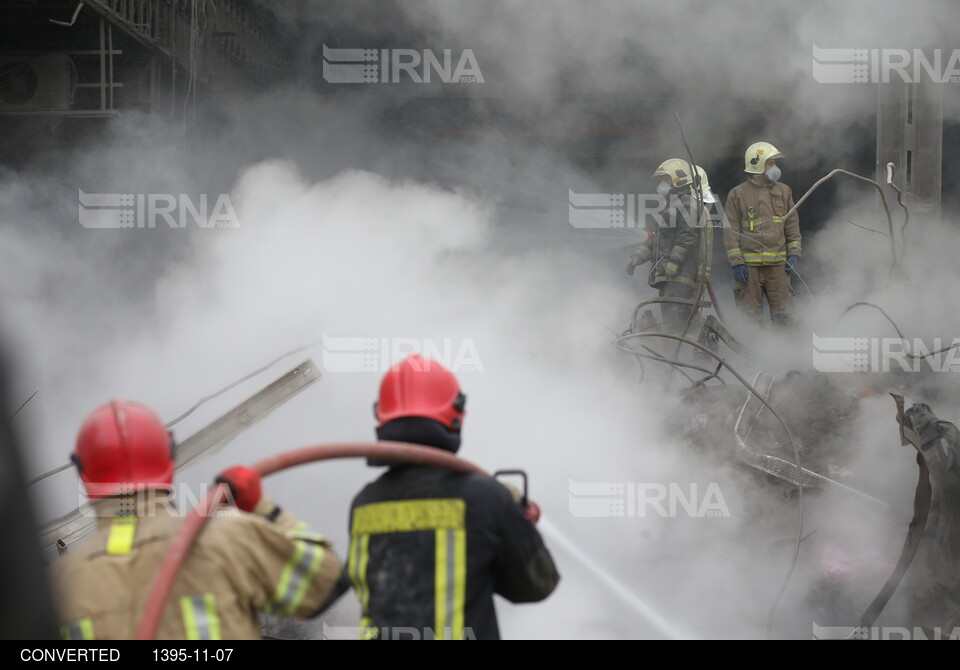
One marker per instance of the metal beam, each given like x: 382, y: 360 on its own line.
x: 129, y: 28
x: 213, y: 437
x: 910, y: 135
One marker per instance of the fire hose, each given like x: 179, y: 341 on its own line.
x: 186, y: 535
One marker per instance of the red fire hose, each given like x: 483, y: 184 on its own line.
x: 195, y: 521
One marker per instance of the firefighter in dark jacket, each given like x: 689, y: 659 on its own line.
x: 429, y: 548
x: 679, y: 244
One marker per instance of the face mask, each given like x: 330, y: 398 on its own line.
x: 773, y: 173
x: 663, y: 189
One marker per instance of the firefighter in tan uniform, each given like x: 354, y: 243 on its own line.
x: 762, y: 246
x: 249, y: 559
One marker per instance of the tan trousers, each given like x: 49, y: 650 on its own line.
x: 772, y: 281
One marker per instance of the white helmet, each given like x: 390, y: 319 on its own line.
x: 677, y: 169
x: 757, y: 155
x: 708, y: 196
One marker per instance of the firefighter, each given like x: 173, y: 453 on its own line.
x: 255, y: 558
x: 763, y: 248
x: 679, y: 243
x: 430, y: 547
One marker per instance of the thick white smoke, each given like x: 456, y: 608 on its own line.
x: 461, y: 240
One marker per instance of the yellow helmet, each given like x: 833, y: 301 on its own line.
x: 757, y: 155
x: 677, y: 169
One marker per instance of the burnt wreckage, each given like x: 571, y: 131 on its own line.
x: 794, y: 436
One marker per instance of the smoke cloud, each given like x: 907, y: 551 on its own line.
x: 438, y: 215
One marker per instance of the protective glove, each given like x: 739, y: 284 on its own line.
x: 640, y: 256
x: 670, y: 273
x: 244, y: 486
x: 740, y: 274
x: 792, y: 263
x: 531, y: 512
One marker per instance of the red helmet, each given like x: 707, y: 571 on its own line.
x: 417, y: 386
x: 124, y: 447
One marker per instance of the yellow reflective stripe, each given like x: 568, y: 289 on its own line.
x: 758, y: 220
x: 286, y: 575
x: 357, y: 570
x: 307, y: 576
x: 213, y: 619
x: 765, y: 256
x: 408, y: 516
x: 459, y: 581
x: 362, y: 571
x: 440, y: 584
x: 685, y: 281
x: 200, y: 618
x: 296, y: 577
x: 353, y: 562
x: 367, y: 630
x: 306, y: 534
x: 450, y: 583
x: 793, y: 245
x: 122, y: 531
x: 81, y: 629
x: 189, y: 623
x: 734, y: 252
